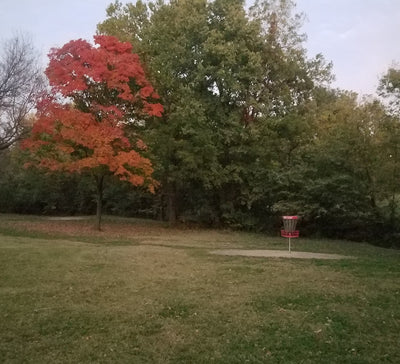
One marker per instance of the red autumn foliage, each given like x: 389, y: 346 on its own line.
x: 96, y: 90
x: 79, y: 66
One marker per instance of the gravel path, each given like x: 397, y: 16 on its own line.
x: 279, y: 254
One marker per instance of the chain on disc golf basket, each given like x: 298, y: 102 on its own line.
x: 289, y: 228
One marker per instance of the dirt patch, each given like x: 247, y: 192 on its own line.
x: 81, y: 226
x: 279, y: 254
x: 68, y: 218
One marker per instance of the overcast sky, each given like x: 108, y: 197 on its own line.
x: 360, y: 37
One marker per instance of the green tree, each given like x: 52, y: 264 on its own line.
x: 179, y: 139
x: 225, y: 75
x: 345, y: 180
x: 389, y: 89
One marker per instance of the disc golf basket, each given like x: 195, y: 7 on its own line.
x: 289, y: 228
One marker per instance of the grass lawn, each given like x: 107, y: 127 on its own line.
x: 140, y: 292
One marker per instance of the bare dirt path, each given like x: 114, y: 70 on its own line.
x: 68, y: 218
x: 279, y: 254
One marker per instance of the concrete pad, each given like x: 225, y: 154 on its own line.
x: 279, y: 254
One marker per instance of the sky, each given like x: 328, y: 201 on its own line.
x: 360, y: 37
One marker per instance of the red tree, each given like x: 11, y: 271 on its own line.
x: 95, y: 92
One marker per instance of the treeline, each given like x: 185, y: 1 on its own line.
x: 251, y: 130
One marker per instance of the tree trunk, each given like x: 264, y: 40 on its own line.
x: 171, y: 203
x: 99, y: 200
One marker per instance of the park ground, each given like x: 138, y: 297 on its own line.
x: 142, y: 292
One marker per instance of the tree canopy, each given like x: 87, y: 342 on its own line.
x: 250, y: 128
x: 96, y: 91
x: 225, y: 75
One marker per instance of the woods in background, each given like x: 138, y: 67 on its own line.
x: 251, y: 129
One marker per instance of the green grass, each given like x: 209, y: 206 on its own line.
x: 140, y: 292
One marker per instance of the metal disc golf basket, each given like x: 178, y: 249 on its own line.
x: 289, y: 228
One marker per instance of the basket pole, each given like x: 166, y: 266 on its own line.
x: 289, y: 247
